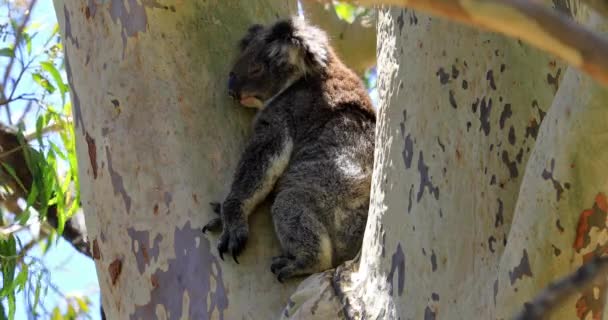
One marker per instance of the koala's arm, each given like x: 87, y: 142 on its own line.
x: 262, y: 163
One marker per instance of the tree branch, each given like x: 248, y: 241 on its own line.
x: 530, y: 21
x: 23, y: 96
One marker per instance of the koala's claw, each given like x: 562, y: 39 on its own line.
x: 213, y: 225
x: 233, y: 240
x: 234, y: 257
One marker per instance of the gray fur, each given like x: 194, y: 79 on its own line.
x: 311, y: 150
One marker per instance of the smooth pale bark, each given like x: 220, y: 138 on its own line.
x: 157, y: 140
x: 489, y: 182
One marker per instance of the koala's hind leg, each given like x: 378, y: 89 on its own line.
x: 306, y: 245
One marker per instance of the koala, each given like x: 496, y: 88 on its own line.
x: 311, y: 151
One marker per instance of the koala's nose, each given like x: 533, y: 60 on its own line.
x: 231, y: 84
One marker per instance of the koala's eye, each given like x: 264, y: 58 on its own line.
x: 256, y: 69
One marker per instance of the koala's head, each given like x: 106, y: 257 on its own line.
x: 273, y: 57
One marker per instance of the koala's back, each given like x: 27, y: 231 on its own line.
x: 332, y: 123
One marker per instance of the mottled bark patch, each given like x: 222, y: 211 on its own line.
x: 532, y: 129
x: 429, y: 314
x: 409, y: 205
x: 484, y: 115
x: 117, y: 182
x: 68, y: 28
x: 96, y: 252
x: 194, y: 271
x: 425, y: 180
x: 548, y: 175
x: 142, y: 257
x: 504, y: 115
x: 511, y: 136
x: 168, y: 198
x: 491, y: 241
x: 115, y: 268
x: 453, y: 100
x: 554, y: 80
x: 521, y: 270
x: 490, y: 78
x: 92, y: 149
x: 592, y: 299
x: 132, y: 17
x: 444, y: 77
x: 78, y: 121
x: 91, y: 9
x: 589, y: 218
x: 433, y: 261
x: 455, y: 72
x: 495, y: 290
x: 511, y: 165
x: 397, y: 264
x: 556, y: 251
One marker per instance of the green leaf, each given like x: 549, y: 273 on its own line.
x: 56, y: 314
x: 21, y: 278
x: 28, y: 42
x: 32, y: 197
x: 11, y: 306
x: 50, y: 68
x: 43, y: 82
x: 37, y: 291
x: 58, y: 151
x: 39, y: 126
x: 346, y: 11
x: 13, y: 174
x: 8, y: 251
x: 83, y: 304
x: 7, y: 52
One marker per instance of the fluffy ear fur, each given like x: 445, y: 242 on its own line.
x: 297, y: 43
x: 252, y: 32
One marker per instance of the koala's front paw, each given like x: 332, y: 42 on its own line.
x: 233, y: 239
x: 214, y: 224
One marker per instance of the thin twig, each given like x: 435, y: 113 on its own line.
x: 18, y: 36
x: 23, y: 96
x: 54, y: 127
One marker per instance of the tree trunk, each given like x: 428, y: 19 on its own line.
x: 489, y: 181
x: 157, y: 140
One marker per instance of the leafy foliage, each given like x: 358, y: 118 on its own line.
x: 45, y: 180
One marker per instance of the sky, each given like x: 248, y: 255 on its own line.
x: 71, y: 273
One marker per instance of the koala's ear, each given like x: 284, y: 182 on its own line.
x: 252, y: 32
x: 282, y: 31
x: 300, y: 44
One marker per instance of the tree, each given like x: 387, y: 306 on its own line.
x: 488, y: 183
x: 157, y: 140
